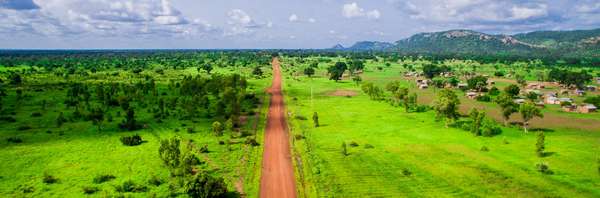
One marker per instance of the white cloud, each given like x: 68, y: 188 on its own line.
x: 241, y: 23
x: 296, y: 19
x: 352, y: 10
x: 519, y: 13
x: 293, y: 18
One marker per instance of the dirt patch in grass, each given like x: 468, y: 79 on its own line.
x: 341, y: 92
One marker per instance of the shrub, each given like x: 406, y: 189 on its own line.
x: 190, y: 130
x: 484, y: 98
x: 36, y: 114
x: 155, y: 180
x: 543, y: 168
x: 300, y: 117
x: 15, y: 140
x: 298, y: 137
x: 203, y: 149
x: 169, y: 152
x: 406, y: 172
x: 130, y: 186
x: 368, y: 146
x: 90, y: 190
x: 353, y: 144
x: 23, y: 127
x: 422, y: 108
x: 49, y: 179
x: 539, y: 145
x: 217, y: 128
x: 131, y: 140
x: 204, y: 185
x: 8, y: 119
x: 251, y: 141
x: 484, y: 149
x: 344, y: 149
x: 103, y: 178
x: 490, y: 128
x: 188, y: 162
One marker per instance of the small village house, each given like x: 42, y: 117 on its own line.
x: 471, y: 95
x: 587, y: 108
x: 569, y: 108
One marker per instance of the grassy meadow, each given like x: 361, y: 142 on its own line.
x: 77, y: 152
x: 392, y: 153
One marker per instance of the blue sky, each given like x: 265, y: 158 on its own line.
x: 271, y: 23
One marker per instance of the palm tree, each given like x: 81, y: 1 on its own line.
x: 529, y: 111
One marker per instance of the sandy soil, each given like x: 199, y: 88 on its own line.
x: 341, y: 92
x: 277, y: 179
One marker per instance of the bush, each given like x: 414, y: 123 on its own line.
x: 251, y: 141
x: 353, y: 144
x: 90, y: 190
x: 169, y: 152
x: 298, y: 137
x: 190, y: 130
x: 490, y: 128
x: 484, y: 149
x: 49, y: 179
x: 484, y: 98
x: 203, y: 149
x: 368, y: 146
x: 103, y: 178
x: 543, y: 168
x: 406, y: 172
x: 8, y: 119
x: 204, y: 185
x: 131, y: 140
x: 23, y: 127
x: 36, y: 114
x: 15, y: 140
x: 155, y: 180
x: 130, y: 186
x: 300, y: 117
x: 422, y: 108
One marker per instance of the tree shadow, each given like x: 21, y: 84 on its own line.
x: 545, y: 130
x: 233, y: 194
x: 547, y: 154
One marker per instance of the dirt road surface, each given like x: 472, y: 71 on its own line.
x: 277, y: 179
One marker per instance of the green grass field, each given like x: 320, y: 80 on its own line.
x: 77, y: 152
x: 413, y: 155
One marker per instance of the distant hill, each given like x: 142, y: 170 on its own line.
x: 472, y: 42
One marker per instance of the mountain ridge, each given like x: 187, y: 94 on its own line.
x: 474, y: 42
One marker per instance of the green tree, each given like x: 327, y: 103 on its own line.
x: 521, y: 80
x: 529, y: 111
x: 309, y: 71
x: 257, y: 71
x: 344, y: 149
x: 60, y: 119
x: 478, y: 83
x: 207, y: 67
x: 204, y: 185
x: 356, y: 65
x: 97, y: 117
x: 315, y: 118
x: 169, y: 152
x: 446, y: 105
x: 477, y: 118
x: 217, y: 128
x: 507, y: 105
x: 540, y: 144
x: 357, y: 79
x: 337, y: 71
x: 512, y: 90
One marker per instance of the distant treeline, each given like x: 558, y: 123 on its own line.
x: 187, y: 58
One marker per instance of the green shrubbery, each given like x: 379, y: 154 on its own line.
x: 133, y: 140
x: 103, y: 178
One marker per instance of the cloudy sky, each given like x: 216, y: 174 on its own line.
x: 271, y: 23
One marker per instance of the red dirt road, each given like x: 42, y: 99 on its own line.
x: 277, y: 179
